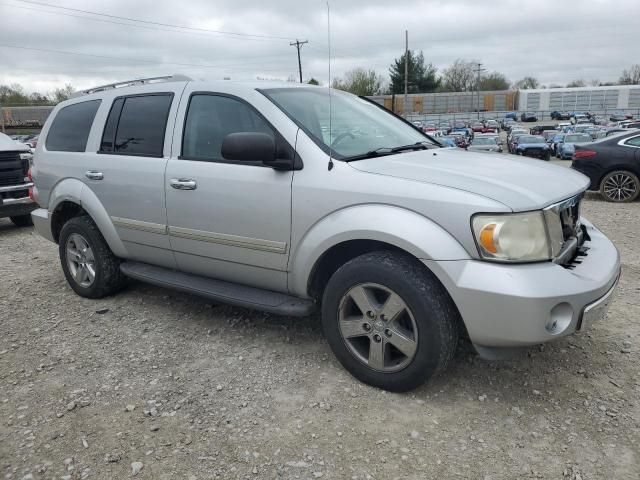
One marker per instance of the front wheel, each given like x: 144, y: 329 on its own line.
x: 620, y: 186
x: 89, y: 265
x: 547, y: 156
x: 389, y: 321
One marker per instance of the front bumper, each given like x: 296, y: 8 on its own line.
x: 15, y: 201
x: 42, y: 223
x: 534, y: 152
x: 519, y: 305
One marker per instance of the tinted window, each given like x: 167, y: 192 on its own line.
x: 141, y: 127
x: 109, y: 135
x: 212, y: 117
x: 70, y: 129
x: 635, y: 141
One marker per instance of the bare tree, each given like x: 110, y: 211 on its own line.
x: 631, y: 76
x: 359, y: 82
x: 494, y: 81
x: 61, y: 94
x: 527, y: 83
x: 576, y: 83
x: 459, y: 77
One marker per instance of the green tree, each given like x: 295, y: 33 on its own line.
x: 359, y: 82
x: 494, y: 81
x: 527, y: 83
x: 422, y: 77
x: 313, y: 81
x: 13, y: 95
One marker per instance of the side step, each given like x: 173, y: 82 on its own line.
x: 217, y: 290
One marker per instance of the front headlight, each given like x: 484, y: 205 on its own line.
x: 26, y: 156
x: 514, y: 237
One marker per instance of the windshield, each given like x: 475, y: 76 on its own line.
x: 530, y: 139
x: 577, y: 138
x: 357, y: 126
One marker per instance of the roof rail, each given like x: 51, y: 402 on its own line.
x: 129, y: 83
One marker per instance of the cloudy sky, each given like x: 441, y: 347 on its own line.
x: 43, y: 47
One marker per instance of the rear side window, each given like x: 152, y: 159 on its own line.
x: 210, y: 118
x: 635, y: 142
x: 136, y: 125
x: 70, y: 129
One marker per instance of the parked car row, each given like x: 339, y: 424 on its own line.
x: 30, y: 140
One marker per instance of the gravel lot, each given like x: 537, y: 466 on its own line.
x: 163, y: 385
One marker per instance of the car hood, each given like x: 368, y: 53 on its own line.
x: 519, y: 183
x: 9, y: 145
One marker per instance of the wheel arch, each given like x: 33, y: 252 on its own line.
x: 327, y: 245
x: 70, y: 198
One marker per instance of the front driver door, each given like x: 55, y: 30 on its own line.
x: 227, y: 220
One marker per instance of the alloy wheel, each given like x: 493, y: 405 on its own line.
x: 80, y: 260
x: 378, y: 327
x: 620, y: 187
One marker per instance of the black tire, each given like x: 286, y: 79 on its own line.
x: 108, y: 277
x: 634, y: 184
x: 436, y: 317
x: 22, y: 220
x: 547, y: 156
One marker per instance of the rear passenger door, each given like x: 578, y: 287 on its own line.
x: 228, y: 220
x: 127, y: 171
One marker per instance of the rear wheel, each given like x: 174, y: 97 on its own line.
x: 22, y: 220
x: 389, y: 321
x: 91, y: 269
x: 620, y: 186
x: 547, y: 156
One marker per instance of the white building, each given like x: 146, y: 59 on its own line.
x: 579, y: 99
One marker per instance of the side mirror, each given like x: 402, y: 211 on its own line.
x: 249, y: 147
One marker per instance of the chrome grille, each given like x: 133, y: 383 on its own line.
x: 565, y: 232
x: 570, y: 217
x: 12, y: 169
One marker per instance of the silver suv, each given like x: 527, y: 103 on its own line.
x: 292, y: 199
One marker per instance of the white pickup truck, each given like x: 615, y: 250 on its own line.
x: 15, y: 162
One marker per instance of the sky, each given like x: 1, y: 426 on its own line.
x: 556, y: 41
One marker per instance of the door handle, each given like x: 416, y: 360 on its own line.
x: 93, y: 175
x: 183, y: 183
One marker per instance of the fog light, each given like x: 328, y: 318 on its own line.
x: 559, y: 318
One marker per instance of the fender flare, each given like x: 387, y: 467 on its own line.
x: 402, y: 228
x: 73, y: 190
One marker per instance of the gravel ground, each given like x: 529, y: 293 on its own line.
x: 162, y: 385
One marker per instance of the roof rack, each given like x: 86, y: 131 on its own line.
x: 129, y: 83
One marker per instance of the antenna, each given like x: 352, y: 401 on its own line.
x: 330, y: 166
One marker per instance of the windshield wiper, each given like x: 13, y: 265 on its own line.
x: 382, y: 151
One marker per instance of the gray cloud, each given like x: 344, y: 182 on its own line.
x: 555, y: 41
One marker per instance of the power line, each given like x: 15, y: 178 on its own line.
x: 149, y: 22
x: 108, y: 57
x: 478, y: 70
x: 298, y: 44
x: 113, y: 22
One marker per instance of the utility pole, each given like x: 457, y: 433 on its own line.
x: 298, y: 44
x: 406, y: 73
x: 478, y: 70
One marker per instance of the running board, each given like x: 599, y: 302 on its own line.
x: 219, y: 291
